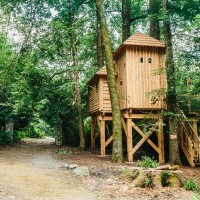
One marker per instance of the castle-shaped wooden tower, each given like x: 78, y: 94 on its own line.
x: 139, y: 64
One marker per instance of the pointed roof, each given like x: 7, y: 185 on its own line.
x: 140, y: 39
x: 100, y: 73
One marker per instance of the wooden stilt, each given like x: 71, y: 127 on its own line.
x: 161, y: 142
x: 129, y: 141
x: 93, y: 124
x: 102, y: 134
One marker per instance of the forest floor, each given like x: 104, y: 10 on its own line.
x: 34, y: 170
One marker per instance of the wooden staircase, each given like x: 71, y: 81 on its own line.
x: 189, y: 140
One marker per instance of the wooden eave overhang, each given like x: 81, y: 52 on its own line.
x: 139, y: 39
x: 101, y: 73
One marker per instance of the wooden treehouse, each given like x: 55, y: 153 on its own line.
x: 139, y: 64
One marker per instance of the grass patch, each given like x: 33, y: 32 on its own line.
x: 147, y: 162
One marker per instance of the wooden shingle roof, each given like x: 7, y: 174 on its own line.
x: 100, y: 73
x: 140, y: 39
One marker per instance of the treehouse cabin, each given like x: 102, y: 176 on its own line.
x: 98, y: 93
x: 139, y: 64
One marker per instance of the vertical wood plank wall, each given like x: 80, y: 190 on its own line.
x: 120, y: 62
x: 144, y: 78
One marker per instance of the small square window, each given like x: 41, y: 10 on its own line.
x: 141, y: 60
x: 149, y: 60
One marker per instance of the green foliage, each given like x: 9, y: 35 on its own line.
x: 19, y: 135
x: 191, y: 185
x: 125, y: 170
x: 148, y: 182
x: 64, y: 152
x: 147, y: 162
x: 6, y: 137
x: 164, y: 178
x: 34, y: 132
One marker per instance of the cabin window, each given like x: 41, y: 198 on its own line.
x: 141, y: 60
x: 120, y: 82
x: 149, y: 60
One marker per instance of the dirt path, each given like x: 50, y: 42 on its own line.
x: 33, y: 171
x: 29, y: 173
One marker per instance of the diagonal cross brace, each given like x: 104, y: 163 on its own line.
x: 145, y: 137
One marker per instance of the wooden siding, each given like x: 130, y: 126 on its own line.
x: 93, y: 98
x: 106, y: 97
x: 99, y: 96
x: 145, y: 79
x: 121, y: 65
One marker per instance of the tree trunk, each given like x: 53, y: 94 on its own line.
x: 117, y: 154
x: 126, y: 19
x: 154, y: 7
x: 99, y: 42
x: 174, y: 157
x: 58, y: 134
x: 76, y: 79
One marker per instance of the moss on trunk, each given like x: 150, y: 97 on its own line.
x: 117, y: 155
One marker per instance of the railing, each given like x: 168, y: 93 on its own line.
x: 189, y: 138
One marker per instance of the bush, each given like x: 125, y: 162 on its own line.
x: 148, y: 182
x: 147, y: 162
x: 19, y: 135
x: 34, y: 132
x: 191, y: 185
x: 164, y: 178
x: 6, y: 137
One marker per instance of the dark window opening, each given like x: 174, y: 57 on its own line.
x: 120, y: 82
x: 141, y: 60
x: 124, y: 65
x: 149, y: 60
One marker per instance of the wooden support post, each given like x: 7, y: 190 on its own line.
x: 93, y: 124
x: 161, y: 142
x: 129, y: 141
x: 102, y: 135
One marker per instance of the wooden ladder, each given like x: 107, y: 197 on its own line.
x: 189, y: 140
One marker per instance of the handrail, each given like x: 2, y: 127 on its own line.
x: 192, y: 135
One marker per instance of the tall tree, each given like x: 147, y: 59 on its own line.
x: 73, y: 42
x: 126, y: 19
x: 99, y: 43
x: 174, y: 157
x: 117, y: 153
x: 154, y: 7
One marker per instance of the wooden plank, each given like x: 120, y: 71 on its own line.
x: 109, y: 141
x: 161, y: 142
x: 100, y: 94
x: 143, y: 134
x: 144, y: 138
x: 102, y: 135
x: 129, y: 141
x: 139, y: 116
x: 92, y: 133
x: 124, y: 126
x: 105, y: 118
x: 190, y: 160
